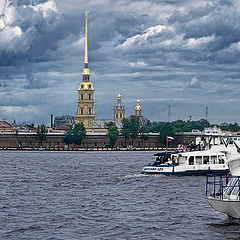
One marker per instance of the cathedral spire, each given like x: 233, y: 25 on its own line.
x: 85, y: 109
x: 86, y: 69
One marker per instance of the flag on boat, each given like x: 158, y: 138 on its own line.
x: 170, y: 139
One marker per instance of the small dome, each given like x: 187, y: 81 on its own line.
x: 138, y: 107
x: 86, y: 71
x: 86, y: 86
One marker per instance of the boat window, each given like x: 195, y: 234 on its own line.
x: 205, y: 159
x: 235, y: 191
x: 161, y: 160
x: 191, y: 160
x: 199, y: 160
x: 213, y: 159
x: 182, y: 159
x: 220, y: 159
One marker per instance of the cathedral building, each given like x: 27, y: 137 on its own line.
x: 85, y: 108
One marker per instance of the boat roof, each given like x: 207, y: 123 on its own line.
x: 202, y: 153
x: 164, y: 153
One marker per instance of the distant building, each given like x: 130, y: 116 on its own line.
x: 65, y: 120
x: 24, y: 127
x: 5, y: 126
x: 85, y: 109
x: 138, y: 113
x: 119, y: 110
x: 99, y: 126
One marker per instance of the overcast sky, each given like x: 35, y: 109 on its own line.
x: 165, y: 52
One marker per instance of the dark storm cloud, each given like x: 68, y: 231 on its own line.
x: 162, y: 52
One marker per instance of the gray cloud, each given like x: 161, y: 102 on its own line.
x: 143, y: 49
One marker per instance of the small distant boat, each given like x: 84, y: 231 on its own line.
x: 223, y: 193
x: 209, y: 161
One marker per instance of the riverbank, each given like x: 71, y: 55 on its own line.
x: 84, y: 149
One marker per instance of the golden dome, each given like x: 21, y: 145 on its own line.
x: 119, y: 96
x: 86, y: 71
x: 86, y: 86
x: 138, y: 107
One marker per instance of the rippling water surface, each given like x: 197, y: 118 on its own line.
x: 102, y: 195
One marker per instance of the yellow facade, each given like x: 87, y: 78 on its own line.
x: 85, y: 109
x: 119, y: 110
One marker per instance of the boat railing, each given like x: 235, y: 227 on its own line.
x: 223, y: 187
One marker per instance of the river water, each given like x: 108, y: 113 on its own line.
x: 102, y: 195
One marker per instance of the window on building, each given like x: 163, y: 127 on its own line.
x: 81, y: 96
x: 89, y: 111
x: 95, y: 144
x: 89, y: 96
x: 81, y: 86
x: 89, y: 86
x: 81, y: 111
x: 116, y: 115
x: 120, y: 115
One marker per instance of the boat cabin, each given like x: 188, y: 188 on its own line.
x: 197, y: 159
x: 164, y: 157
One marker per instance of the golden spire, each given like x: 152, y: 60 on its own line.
x: 86, y: 69
x: 119, y: 96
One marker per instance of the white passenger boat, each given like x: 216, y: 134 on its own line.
x: 209, y: 161
x: 223, y: 193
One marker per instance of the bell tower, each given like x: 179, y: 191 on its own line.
x: 138, y: 109
x: 119, y: 109
x: 85, y: 109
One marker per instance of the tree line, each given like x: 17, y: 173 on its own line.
x: 131, y: 129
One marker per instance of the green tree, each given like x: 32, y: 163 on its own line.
x: 68, y: 138
x: 143, y: 131
x: 232, y: 127
x: 165, y: 130
x: 113, y: 134
x: 178, y: 125
x: 41, y: 133
x: 134, y: 127
x: 75, y: 135
x: 126, y: 131
x: 130, y: 128
x: 79, y: 133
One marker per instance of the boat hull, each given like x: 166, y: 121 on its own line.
x: 231, y: 208
x: 234, y: 166
x: 180, y: 170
